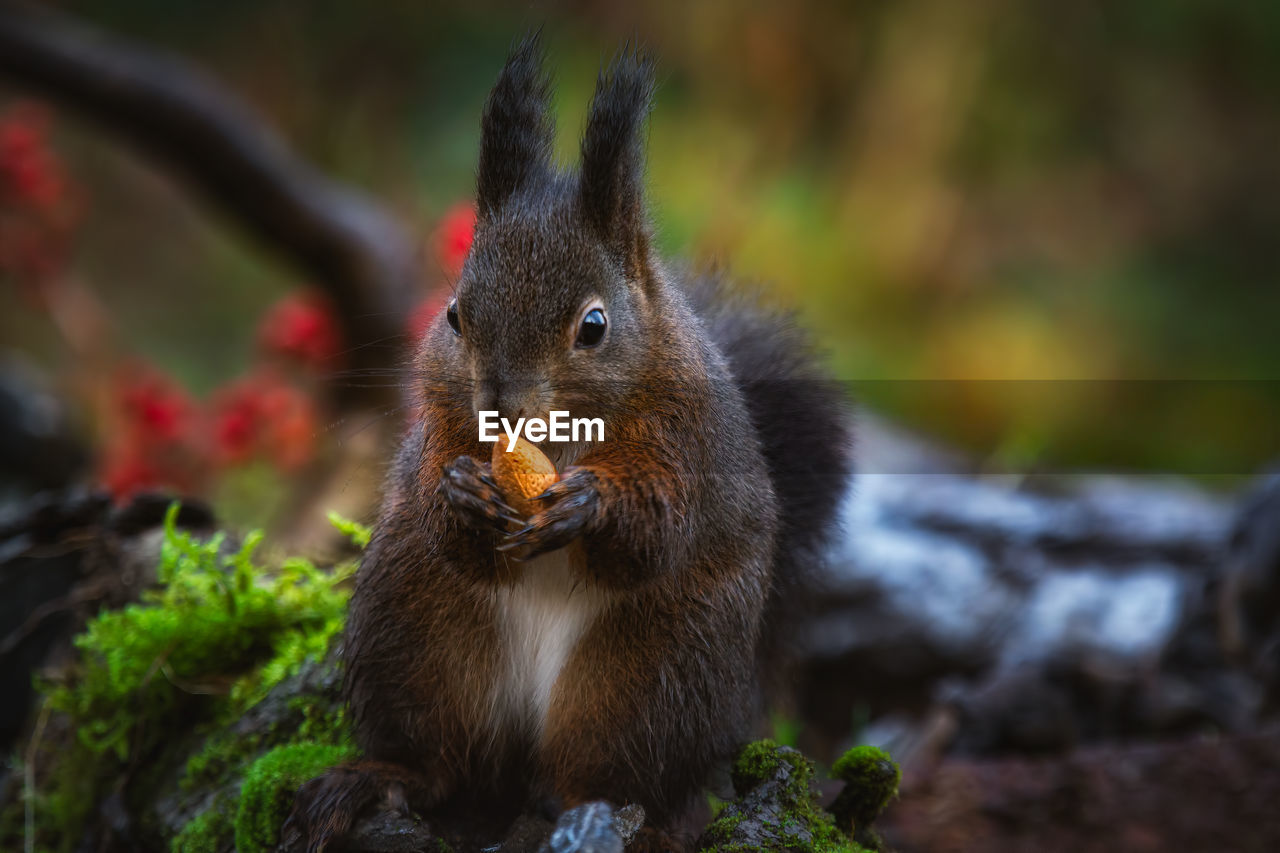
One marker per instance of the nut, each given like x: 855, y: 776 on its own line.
x: 523, y: 473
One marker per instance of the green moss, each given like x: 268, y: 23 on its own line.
x: 759, y: 761
x: 358, y: 533
x: 215, y: 635
x: 226, y: 753
x: 871, y: 780
x: 214, y: 614
x: 319, y: 723
x: 309, y: 729
x: 723, y: 826
x: 222, y: 753
x: 867, y: 764
x: 212, y: 831
x: 269, y: 786
x: 799, y: 826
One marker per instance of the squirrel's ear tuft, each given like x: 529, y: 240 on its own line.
x: 612, y: 178
x: 516, y: 129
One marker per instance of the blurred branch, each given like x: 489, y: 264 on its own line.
x: 340, y: 238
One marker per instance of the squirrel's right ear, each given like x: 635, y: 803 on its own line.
x: 516, y: 130
x: 610, y: 187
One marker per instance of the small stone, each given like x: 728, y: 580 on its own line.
x: 628, y: 821
x: 588, y: 828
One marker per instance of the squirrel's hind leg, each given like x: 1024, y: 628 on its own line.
x: 326, y: 808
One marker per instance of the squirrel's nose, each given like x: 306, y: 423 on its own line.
x: 508, y: 399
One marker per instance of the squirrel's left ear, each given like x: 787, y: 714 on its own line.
x: 611, y: 183
x: 515, y: 130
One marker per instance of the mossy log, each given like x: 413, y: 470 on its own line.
x: 176, y: 739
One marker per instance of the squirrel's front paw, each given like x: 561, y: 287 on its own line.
x: 571, y: 507
x: 468, y: 487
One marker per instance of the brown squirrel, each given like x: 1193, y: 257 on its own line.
x: 609, y: 648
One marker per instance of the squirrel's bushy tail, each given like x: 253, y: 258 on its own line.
x: 804, y: 421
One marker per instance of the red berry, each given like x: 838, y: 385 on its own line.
x: 301, y: 327
x: 454, y: 236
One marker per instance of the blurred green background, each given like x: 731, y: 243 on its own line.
x: 979, y: 190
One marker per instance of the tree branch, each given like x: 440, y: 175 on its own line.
x: 343, y: 240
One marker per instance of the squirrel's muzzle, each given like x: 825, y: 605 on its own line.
x: 509, y: 398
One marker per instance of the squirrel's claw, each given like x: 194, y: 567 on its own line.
x: 572, y: 506
x: 468, y: 487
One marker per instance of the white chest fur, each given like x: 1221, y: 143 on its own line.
x: 541, y: 618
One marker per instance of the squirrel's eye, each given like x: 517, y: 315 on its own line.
x: 592, y: 330
x: 451, y: 314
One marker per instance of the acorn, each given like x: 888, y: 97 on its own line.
x: 523, y: 473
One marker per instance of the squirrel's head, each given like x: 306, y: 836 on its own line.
x: 553, y: 308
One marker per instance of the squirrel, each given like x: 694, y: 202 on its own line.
x: 610, y: 647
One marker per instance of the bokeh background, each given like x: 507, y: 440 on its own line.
x: 1043, y: 232
x: 1030, y: 237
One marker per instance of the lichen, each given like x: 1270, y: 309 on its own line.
x: 209, y: 642
x: 269, y: 786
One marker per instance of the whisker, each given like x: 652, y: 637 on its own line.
x: 374, y: 343
x: 373, y: 420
